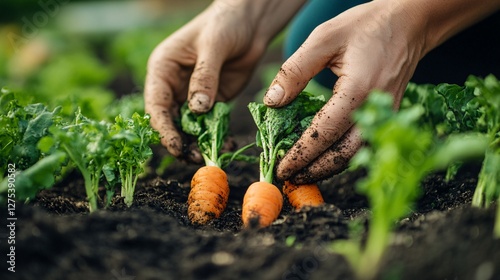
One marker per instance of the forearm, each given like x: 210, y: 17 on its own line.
x: 442, y: 19
x: 268, y: 16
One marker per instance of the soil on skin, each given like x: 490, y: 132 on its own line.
x: 56, y: 238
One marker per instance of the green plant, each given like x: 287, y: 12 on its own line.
x: 39, y: 176
x: 400, y: 153
x: 73, y: 79
x: 209, y: 186
x: 130, y: 141
x: 474, y: 107
x: 486, y: 94
x: 280, y: 128
x: 211, y: 130
x: 22, y: 127
x: 97, y: 148
x: 277, y: 130
x: 86, y: 143
x: 126, y: 106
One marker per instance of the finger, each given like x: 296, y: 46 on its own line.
x: 159, y: 103
x: 161, y: 120
x: 192, y: 153
x: 333, y: 161
x: 328, y: 126
x: 298, y: 70
x: 204, y: 82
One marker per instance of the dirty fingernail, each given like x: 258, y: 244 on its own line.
x: 274, y: 95
x: 173, y: 145
x: 199, y: 103
x: 283, y: 173
x: 195, y: 156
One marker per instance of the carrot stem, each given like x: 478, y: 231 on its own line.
x: 496, y: 229
x: 208, y: 161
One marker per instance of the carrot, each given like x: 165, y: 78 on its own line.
x: 277, y: 130
x: 302, y: 195
x: 209, y: 194
x: 209, y: 186
x: 262, y: 202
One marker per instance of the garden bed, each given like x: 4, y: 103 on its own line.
x: 57, y: 238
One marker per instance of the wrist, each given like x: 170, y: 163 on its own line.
x: 275, y: 16
x: 440, y: 20
x: 267, y: 17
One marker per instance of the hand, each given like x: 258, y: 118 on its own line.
x: 372, y: 46
x: 209, y: 59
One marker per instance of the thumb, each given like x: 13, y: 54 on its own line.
x: 204, y: 82
x: 295, y: 74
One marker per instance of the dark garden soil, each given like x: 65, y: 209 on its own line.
x: 57, y: 239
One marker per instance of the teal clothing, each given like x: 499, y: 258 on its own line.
x: 314, y: 13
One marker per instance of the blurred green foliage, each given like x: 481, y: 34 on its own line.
x: 45, y: 61
x: 12, y: 11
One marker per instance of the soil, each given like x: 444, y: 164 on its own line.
x: 57, y: 238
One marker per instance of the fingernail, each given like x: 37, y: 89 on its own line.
x: 173, y: 145
x: 274, y: 95
x: 195, y: 156
x: 283, y: 173
x: 199, y: 103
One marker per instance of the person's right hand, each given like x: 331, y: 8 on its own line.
x: 376, y: 45
x: 209, y: 59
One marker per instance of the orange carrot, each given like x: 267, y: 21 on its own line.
x: 302, y: 195
x: 278, y: 129
x: 262, y: 202
x: 209, y: 194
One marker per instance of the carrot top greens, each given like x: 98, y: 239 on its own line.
x: 279, y: 128
x: 437, y: 127
x: 399, y: 154
x: 44, y: 143
x: 473, y: 107
x: 211, y: 130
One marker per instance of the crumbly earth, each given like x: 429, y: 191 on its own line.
x: 56, y: 238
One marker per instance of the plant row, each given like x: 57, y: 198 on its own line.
x: 437, y: 128
x: 40, y: 145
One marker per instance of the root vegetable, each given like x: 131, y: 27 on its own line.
x: 209, y: 194
x: 302, y: 195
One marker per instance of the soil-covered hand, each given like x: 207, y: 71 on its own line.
x: 371, y: 46
x: 209, y: 59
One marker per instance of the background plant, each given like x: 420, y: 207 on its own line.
x: 42, y: 143
x: 473, y: 107
x: 399, y: 154
x: 130, y: 141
